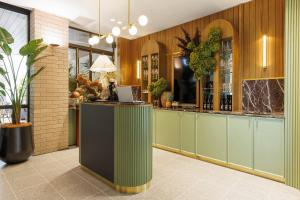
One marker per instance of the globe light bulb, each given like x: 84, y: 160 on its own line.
x: 116, y: 31
x: 109, y: 39
x: 143, y: 20
x: 94, y: 40
x: 132, y: 30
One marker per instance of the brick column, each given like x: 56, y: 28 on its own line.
x: 49, y: 91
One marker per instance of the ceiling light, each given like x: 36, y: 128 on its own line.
x: 132, y: 30
x: 112, y: 20
x: 94, y: 40
x: 143, y: 20
x: 116, y: 31
x: 109, y: 39
x: 119, y: 22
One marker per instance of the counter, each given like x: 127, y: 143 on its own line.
x: 197, y: 110
x: 116, y: 144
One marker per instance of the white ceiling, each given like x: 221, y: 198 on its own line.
x: 162, y: 14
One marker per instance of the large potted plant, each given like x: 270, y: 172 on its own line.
x: 16, y: 137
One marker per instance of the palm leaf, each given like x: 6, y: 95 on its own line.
x: 2, y: 93
x: 2, y: 86
x: 2, y: 71
x: 5, y: 36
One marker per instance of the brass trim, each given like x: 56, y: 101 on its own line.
x: 270, y: 78
x: 133, y: 190
x: 119, y: 188
x: 273, y: 177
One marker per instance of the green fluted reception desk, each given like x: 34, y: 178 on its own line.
x: 116, y: 144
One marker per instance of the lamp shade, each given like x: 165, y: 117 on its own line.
x: 103, y: 64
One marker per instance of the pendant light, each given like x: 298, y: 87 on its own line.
x: 95, y: 39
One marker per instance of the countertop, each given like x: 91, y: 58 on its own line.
x: 197, y: 110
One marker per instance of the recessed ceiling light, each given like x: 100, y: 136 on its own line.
x: 112, y: 20
x: 119, y: 22
x: 124, y: 27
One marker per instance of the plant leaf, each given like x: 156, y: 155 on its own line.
x: 2, y: 86
x: 6, y: 48
x: 5, y: 36
x: 2, y: 93
x: 2, y: 71
x: 1, y: 56
x: 31, y: 47
x: 30, y: 79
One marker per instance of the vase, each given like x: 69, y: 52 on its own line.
x: 164, y: 98
x: 16, y: 142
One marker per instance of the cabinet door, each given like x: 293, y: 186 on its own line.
x: 269, y: 145
x: 188, y: 136
x: 168, y: 129
x: 240, y: 141
x: 212, y: 136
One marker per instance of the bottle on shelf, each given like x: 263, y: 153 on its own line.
x: 211, y: 104
x: 226, y: 103
x: 222, y: 103
x: 230, y: 103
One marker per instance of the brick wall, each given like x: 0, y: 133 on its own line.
x: 49, y: 91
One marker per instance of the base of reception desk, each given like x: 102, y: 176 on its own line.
x: 116, y: 144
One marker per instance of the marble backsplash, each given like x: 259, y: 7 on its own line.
x: 263, y: 96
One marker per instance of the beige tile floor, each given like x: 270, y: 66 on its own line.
x: 58, y: 176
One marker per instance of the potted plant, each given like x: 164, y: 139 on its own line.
x: 157, y: 88
x: 16, y: 137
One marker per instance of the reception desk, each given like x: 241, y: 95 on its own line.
x: 116, y: 144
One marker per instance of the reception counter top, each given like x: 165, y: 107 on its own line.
x: 266, y: 115
x: 116, y: 144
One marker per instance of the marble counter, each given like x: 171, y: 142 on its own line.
x: 267, y: 115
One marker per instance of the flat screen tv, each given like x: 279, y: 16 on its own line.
x: 184, y: 81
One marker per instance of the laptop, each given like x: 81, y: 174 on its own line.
x: 125, y: 95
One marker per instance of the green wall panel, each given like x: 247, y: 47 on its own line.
x: 292, y: 92
x: 188, y: 136
x: 168, y: 128
x: 212, y: 136
x: 133, y: 141
x: 269, y: 145
x: 240, y: 141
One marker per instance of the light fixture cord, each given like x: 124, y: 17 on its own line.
x: 129, y: 12
x: 99, y: 19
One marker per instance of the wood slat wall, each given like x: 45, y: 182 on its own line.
x: 251, y: 20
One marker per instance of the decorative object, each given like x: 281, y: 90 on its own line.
x: 165, y: 97
x: 263, y: 96
x: 157, y: 88
x: 87, y: 90
x: 17, y: 140
x: 184, y: 42
x: 202, y: 58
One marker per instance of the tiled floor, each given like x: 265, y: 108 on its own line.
x: 58, y: 176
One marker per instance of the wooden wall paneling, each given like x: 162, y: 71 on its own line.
x: 251, y: 20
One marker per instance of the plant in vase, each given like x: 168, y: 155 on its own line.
x: 17, y: 141
x: 157, y: 88
x: 170, y: 99
x: 202, y: 58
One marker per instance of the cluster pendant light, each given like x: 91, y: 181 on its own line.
x: 96, y: 38
x: 116, y: 31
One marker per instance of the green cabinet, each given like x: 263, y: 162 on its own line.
x: 269, y: 145
x: 154, y: 128
x: 212, y: 136
x: 240, y: 141
x: 188, y: 128
x: 168, y: 129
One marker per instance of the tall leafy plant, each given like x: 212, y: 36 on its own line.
x: 202, y: 57
x: 13, y: 86
x: 184, y: 42
x: 158, y: 87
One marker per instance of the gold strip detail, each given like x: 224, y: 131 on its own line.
x: 270, y: 78
x: 223, y: 164
x: 119, y: 188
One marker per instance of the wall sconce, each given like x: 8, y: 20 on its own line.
x: 138, y: 69
x: 265, y: 51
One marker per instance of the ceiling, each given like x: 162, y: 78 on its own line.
x: 162, y: 14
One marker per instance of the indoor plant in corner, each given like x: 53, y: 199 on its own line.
x: 16, y: 137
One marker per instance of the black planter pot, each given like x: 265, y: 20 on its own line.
x: 16, y: 143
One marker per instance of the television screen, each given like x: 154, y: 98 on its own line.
x: 184, y: 81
